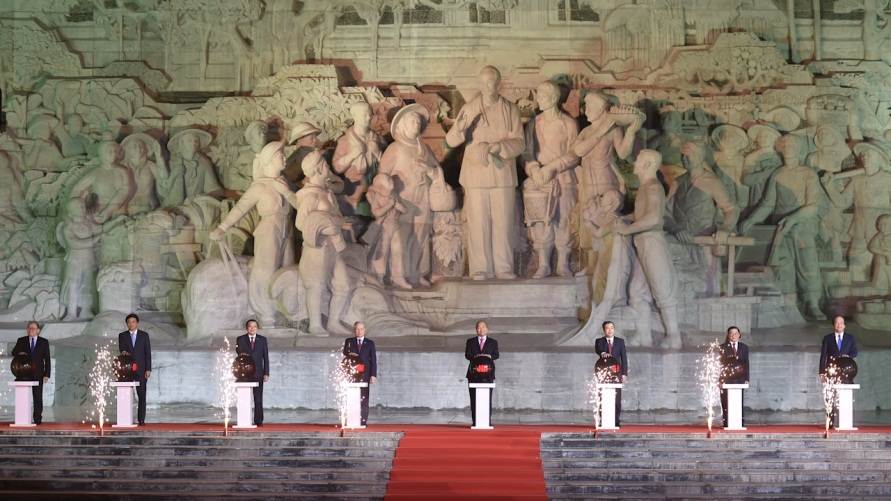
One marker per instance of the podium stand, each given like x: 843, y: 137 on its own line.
x: 23, y: 398
x: 845, y: 406
x: 125, y: 403
x: 354, y: 405
x: 482, y: 418
x: 243, y: 399
x: 734, y: 405
x: 608, y: 405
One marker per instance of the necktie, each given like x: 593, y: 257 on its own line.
x: 610, y: 346
x: 734, y: 349
x: 133, y: 339
x: 838, y: 341
x: 481, y: 344
x: 32, y: 345
x: 252, y: 343
x: 360, y: 344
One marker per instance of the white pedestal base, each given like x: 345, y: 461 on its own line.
x: 734, y: 405
x: 482, y: 418
x: 125, y: 404
x: 608, y: 405
x: 845, y: 406
x: 23, y: 400
x: 354, y: 405
x: 244, y: 397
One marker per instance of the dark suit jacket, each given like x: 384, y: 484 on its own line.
x: 742, y: 353
x: 368, y: 355
x: 601, y: 346
x: 472, y: 349
x: 260, y: 353
x: 142, y: 352
x: 40, y: 358
x: 830, y: 350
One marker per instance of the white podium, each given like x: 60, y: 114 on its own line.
x: 608, y: 405
x: 23, y: 402
x: 482, y: 418
x: 734, y: 405
x: 125, y: 403
x: 845, y: 406
x: 354, y: 405
x: 244, y: 397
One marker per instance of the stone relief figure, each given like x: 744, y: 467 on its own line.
x: 731, y: 142
x: 304, y: 139
x: 618, y: 276
x: 79, y: 235
x: 150, y: 176
x: 413, y: 166
x: 699, y: 203
x: 491, y: 127
x: 651, y: 246
x: 760, y: 163
x: 548, y: 154
x: 190, y: 169
x: 831, y: 152
x: 387, y: 257
x: 12, y: 208
x: 880, y: 247
x: 110, y: 184
x: 245, y: 169
x: 72, y: 138
x: 41, y: 152
x: 870, y: 194
x: 273, y: 247
x: 791, y: 201
x: 598, y: 145
x: 357, y: 156
x: 322, y: 267
x: 670, y: 138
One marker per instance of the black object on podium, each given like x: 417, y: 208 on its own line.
x: 354, y: 367
x: 482, y: 370
x: 22, y: 367
x: 125, y: 368
x: 244, y: 368
x: 607, y: 370
x: 844, y: 368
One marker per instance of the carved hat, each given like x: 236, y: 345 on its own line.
x: 42, y: 120
x: 204, y: 138
x: 254, y: 127
x: 729, y: 134
x: 151, y: 144
x: 312, y: 162
x: 405, y: 110
x: 758, y: 129
x: 303, y: 129
x: 264, y: 158
x: 864, y: 147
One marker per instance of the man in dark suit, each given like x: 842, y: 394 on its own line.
x: 838, y: 344
x: 480, y: 346
x: 39, y: 350
x: 364, y: 349
x: 731, y: 348
x: 611, y: 346
x: 256, y: 346
x: 136, y: 342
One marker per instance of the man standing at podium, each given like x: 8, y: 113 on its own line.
x: 611, y: 346
x: 255, y: 346
x: 364, y: 349
x: 480, y: 346
x: 732, y: 349
x: 838, y: 344
x: 39, y: 351
x: 136, y: 342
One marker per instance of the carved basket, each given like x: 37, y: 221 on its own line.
x: 443, y: 200
x: 539, y: 204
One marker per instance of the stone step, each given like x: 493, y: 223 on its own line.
x: 842, y: 490
x: 49, y: 495
x: 60, y: 461
x: 6, y: 440
x: 874, y: 442
x: 757, y: 476
x: 201, y: 473
x: 713, y: 465
x: 257, y: 487
x: 737, y: 454
x: 212, y: 451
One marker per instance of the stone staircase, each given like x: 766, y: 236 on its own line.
x: 195, y: 465
x: 729, y: 466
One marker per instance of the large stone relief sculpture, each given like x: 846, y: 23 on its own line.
x: 125, y: 154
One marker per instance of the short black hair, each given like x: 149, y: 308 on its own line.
x: 608, y: 322
x: 132, y: 315
x: 734, y: 327
x: 35, y: 324
x: 249, y: 323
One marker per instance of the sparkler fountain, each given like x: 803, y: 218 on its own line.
x: 602, y: 375
x: 226, y: 383
x: 100, y: 384
x: 710, y: 380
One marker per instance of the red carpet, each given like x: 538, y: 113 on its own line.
x: 467, y: 464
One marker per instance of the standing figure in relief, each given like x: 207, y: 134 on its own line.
x: 190, y: 168
x: 831, y: 152
x: 791, y: 201
x: 148, y: 175
x: 79, y: 235
x: 270, y: 194
x: 304, y: 139
x: 13, y: 210
x: 357, y: 155
x: 651, y: 246
x: 730, y: 144
x: 414, y: 169
x: 322, y: 268
x: 598, y: 145
x: 670, y: 138
x: 870, y: 194
x: 761, y: 162
x: 387, y: 259
x: 244, y: 169
x: 42, y: 152
x: 549, y: 137
x: 110, y: 183
x: 492, y: 129
x: 880, y: 247
x: 72, y: 138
